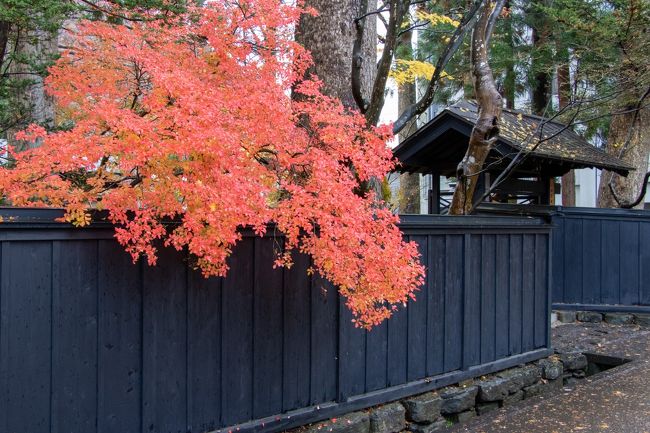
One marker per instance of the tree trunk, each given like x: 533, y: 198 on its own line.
x: 635, y: 153
x: 486, y: 129
x: 542, y: 83
x: 510, y: 80
x: 564, y: 98
x: 330, y: 38
x: 36, y: 47
x: 409, y: 184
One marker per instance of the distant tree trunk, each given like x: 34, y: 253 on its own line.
x: 542, y: 83
x: 629, y: 139
x: 409, y: 184
x: 510, y: 80
x: 35, y: 47
x: 330, y: 38
x: 486, y: 129
x: 564, y: 98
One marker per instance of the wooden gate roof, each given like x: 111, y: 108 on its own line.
x: 552, y: 147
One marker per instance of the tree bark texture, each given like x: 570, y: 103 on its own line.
x: 542, y: 84
x: 37, y: 46
x: 629, y: 139
x: 330, y: 37
x: 486, y: 129
x: 409, y: 184
x: 564, y: 98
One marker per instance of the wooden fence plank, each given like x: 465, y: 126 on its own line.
x: 629, y: 263
x: 119, y: 341
x: 488, y: 299
x: 324, y: 337
x: 502, y: 294
x: 164, y: 352
x: 528, y: 293
x: 297, y: 336
x: 74, y: 337
x: 591, y: 248
x: 516, y: 315
x: 267, y: 332
x: 237, y: 336
x: 573, y: 259
x: 436, y: 305
x: 25, y: 330
x: 204, y: 352
x: 454, y: 271
x: 472, y: 301
x: 644, y: 263
x: 417, y: 321
x: 541, y: 290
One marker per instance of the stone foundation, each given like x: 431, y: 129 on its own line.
x: 640, y: 319
x: 436, y: 410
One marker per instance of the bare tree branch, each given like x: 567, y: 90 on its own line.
x: 454, y: 43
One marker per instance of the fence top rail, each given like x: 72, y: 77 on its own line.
x: 50, y: 218
x: 571, y: 212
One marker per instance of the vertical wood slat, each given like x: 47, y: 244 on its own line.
x: 436, y: 305
x: 502, y: 293
x: 119, y: 340
x: 515, y: 297
x: 629, y: 263
x: 25, y: 331
x: 296, y: 333
x: 237, y: 336
x: 610, y: 265
x: 591, y: 248
x: 164, y: 344
x: 397, y: 361
x: 472, y: 280
x: 644, y: 263
x: 74, y: 335
x: 488, y: 298
x: 204, y: 352
x: 267, y: 332
x: 324, y: 337
x: 541, y: 291
x: 454, y: 271
x: 557, y: 236
x: 528, y: 293
x: 573, y: 259
x: 417, y: 321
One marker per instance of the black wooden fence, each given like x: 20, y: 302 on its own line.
x: 90, y: 342
x: 601, y: 257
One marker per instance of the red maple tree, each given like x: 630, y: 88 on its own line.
x: 193, y: 119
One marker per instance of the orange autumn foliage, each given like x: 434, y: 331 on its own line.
x: 193, y: 120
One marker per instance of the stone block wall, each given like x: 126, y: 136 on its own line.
x: 436, y: 410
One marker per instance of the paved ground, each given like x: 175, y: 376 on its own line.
x: 617, y: 400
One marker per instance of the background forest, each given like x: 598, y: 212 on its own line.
x: 584, y: 61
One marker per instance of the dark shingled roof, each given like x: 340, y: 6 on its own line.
x: 522, y: 131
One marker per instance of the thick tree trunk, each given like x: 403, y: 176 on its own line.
x: 330, y: 38
x: 486, y: 129
x: 510, y: 79
x: 564, y: 98
x: 409, y: 184
x: 635, y: 153
x: 36, y: 47
x: 542, y: 84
